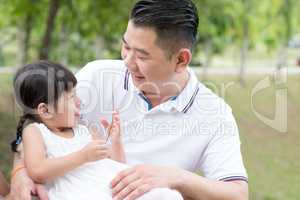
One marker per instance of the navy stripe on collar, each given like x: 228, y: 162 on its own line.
x: 185, y: 109
x: 126, y: 80
x: 150, y: 106
x: 234, y: 178
x: 189, y: 105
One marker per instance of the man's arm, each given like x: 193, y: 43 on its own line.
x: 197, y: 188
x: 21, y: 184
x: 134, y: 182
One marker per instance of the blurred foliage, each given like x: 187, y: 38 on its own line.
x: 86, y: 30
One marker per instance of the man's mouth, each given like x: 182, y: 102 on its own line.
x: 137, y: 77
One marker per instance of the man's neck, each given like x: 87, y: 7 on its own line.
x: 169, y: 90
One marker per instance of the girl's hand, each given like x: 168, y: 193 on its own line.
x: 95, y: 150
x: 113, y: 130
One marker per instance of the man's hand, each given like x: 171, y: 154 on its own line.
x: 134, y: 182
x: 41, y: 192
x: 22, y: 187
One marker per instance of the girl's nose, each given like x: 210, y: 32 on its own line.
x: 77, y: 102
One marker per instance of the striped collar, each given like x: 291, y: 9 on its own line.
x: 182, y: 103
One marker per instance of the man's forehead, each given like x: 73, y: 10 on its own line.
x: 140, y: 39
x: 142, y: 32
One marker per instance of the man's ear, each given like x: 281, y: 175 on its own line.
x: 184, y: 57
x: 43, y: 111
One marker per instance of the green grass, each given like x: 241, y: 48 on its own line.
x: 272, y: 158
x: 7, y: 122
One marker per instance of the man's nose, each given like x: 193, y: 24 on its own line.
x: 130, y: 62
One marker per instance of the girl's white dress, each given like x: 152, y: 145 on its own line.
x: 90, y: 181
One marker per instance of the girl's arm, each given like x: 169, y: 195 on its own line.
x: 42, y: 169
x: 117, y: 152
x: 4, y: 188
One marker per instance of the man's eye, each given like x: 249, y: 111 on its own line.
x: 141, y: 58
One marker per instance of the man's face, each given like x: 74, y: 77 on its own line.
x: 151, y: 69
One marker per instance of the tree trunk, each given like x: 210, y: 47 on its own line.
x: 245, y: 44
x: 63, y: 49
x: 244, y: 50
x: 9, y: 37
x: 2, y: 61
x: 207, y: 53
x: 99, y: 46
x: 283, y: 54
x: 26, y: 39
x: 282, y: 58
x: 45, y: 48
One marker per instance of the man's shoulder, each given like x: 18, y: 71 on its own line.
x: 105, y: 63
x: 101, y: 66
x: 211, y: 101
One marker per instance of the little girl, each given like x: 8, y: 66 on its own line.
x: 72, y: 162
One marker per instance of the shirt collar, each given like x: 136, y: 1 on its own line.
x: 182, y: 103
x: 187, y: 96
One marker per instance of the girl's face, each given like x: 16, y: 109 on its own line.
x: 67, y: 112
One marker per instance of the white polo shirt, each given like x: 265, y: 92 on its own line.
x: 194, y: 131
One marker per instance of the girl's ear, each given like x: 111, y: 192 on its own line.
x: 43, y: 111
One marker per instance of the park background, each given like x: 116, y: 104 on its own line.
x: 248, y: 52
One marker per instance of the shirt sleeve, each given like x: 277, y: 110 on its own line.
x: 222, y: 159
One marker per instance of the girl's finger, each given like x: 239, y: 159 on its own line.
x: 104, y: 123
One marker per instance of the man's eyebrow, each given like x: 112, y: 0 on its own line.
x: 142, y: 51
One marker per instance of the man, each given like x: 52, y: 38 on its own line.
x: 172, y: 124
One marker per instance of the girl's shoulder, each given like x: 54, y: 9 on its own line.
x: 38, y: 130
x: 32, y: 130
x: 37, y: 127
x: 31, y: 127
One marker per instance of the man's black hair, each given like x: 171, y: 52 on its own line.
x: 174, y: 21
